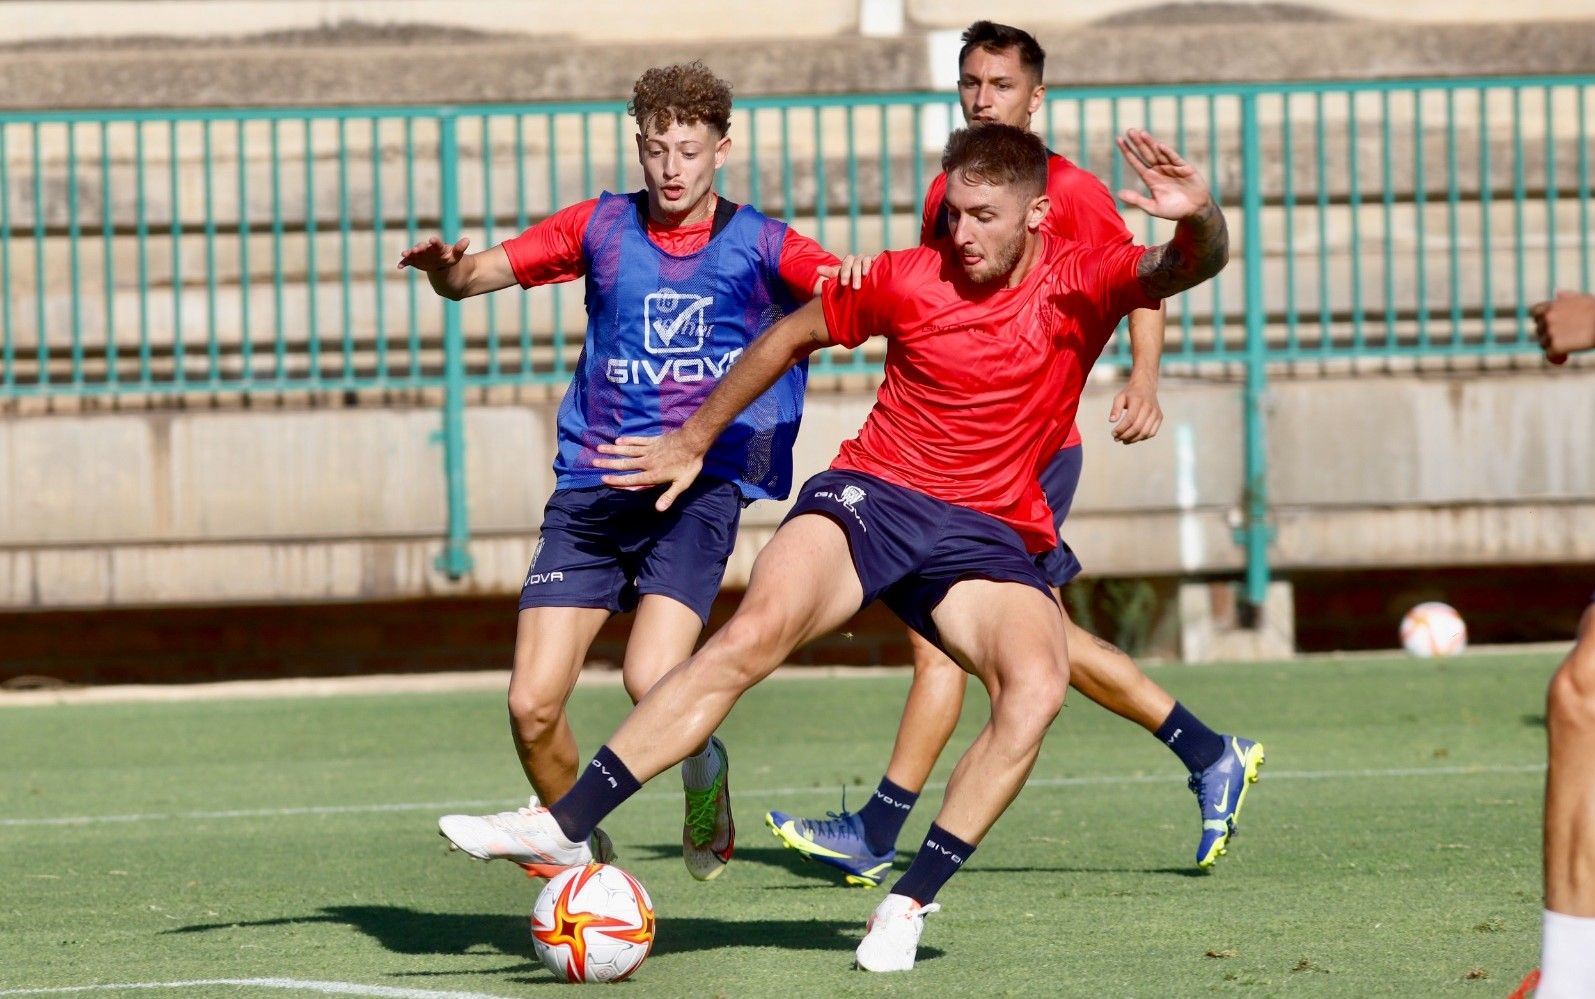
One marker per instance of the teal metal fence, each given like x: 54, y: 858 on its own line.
x: 189, y: 252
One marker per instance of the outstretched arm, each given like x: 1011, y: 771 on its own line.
x: 676, y: 457
x: 1200, y: 246
x: 456, y: 274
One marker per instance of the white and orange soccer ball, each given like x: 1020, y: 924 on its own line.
x: 593, y: 924
x: 1433, y: 629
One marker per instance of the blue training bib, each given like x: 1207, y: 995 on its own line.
x: 661, y: 332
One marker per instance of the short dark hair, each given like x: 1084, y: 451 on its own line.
x: 998, y: 154
x: 994, y: 37
x: 686, y: 93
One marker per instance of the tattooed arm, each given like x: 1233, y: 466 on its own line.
x: 1200, y: 246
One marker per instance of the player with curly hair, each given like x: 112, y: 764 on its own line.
x: 679, y: 282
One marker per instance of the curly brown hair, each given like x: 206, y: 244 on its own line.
x: 686, y: 93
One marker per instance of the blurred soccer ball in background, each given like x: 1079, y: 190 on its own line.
x: 593, y: 924
x: 1433, y: 629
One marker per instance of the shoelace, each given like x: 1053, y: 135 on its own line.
x: 703, y: 807
x: 836, y: 824
x: 505, y: 819
x: 912, y: 917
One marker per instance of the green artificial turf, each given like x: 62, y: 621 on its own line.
x: 1392, y: 847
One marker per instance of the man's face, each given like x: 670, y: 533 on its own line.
x: 995, y: 87
x: 678, y: 165
x: 988, y: 223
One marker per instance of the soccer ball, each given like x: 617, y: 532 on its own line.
x: 1433, y: 629
x: 593, y: 924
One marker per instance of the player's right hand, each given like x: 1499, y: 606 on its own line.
x: 1564, y: 325
x: 652, y: 461
x: 434, y: 255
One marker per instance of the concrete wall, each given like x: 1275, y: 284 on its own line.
x: 634, y: 21
x: 170, y: 508
x: 380, y: 68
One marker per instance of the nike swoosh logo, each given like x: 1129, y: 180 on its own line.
x: 667, y: 332
x: 1223, y: 803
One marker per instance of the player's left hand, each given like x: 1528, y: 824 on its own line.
x: 1175, y: 189
x: 1135, y: 414
x: 652, y: 461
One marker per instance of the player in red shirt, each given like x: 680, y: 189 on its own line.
x: 679, y: 282
x: 1000, y: 80
x: 934, y: 507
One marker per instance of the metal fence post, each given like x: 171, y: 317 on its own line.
x: 1254, y: 534
x: 456, y: 557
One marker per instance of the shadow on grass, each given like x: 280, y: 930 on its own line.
x: 1181, y: 872
x: 778, y: 857
x: 409, y: 931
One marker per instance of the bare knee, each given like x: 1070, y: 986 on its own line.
x: 1030, y: 699
x: 534, y: 715
x: 1571, y: 701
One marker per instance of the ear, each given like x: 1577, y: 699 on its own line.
x: 722, y: 151
x: 1038, y: 97
x: 1038, y: 213
x: 639, y: 147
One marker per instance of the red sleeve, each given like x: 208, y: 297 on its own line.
x: 1083, y: 209
x: 801, y: 260
x: 551, y: 251
x: 854, y: 315
x: 1109, y: 274
x: 935, y: 195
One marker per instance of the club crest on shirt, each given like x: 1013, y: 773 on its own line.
x: 673, y: 322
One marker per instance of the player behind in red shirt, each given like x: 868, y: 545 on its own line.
x: 1000, y: 80
x: 679, y: 282
x: 934, y: 507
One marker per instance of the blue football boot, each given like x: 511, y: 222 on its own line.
x: 1221, y: 790
x: 837, y: 840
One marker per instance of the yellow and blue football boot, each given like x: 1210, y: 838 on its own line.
x: 837, y: 840
x: 1221, y: 790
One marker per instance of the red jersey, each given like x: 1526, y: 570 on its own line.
x: 551, y: 251
x: 1082, y: 210
x: 981, y: 384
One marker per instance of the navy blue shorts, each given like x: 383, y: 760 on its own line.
x: 909, y: 549
x: 604, y: 547
x: 1059, y: 480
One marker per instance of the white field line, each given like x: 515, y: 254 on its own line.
x: 497, y: 680
x: 772, y: 792
x: 295, y: 984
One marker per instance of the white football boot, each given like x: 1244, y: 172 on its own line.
x: 708, y: 834
x: 891, y: 937
x: 527, y: 836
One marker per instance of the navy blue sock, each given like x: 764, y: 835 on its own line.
x: 598, y: 791
x: 884, y: 814
x: 1197, y: 746
x: 937, y: 860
